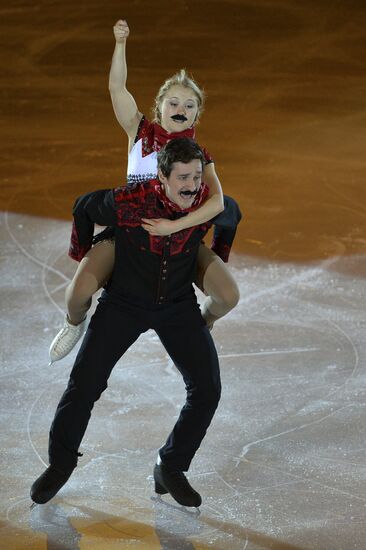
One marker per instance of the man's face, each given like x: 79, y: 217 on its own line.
x: 183, y: 183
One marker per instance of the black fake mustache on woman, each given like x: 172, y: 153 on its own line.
x: 179, y: 117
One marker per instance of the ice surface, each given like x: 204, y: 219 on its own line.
x: 284, y: 458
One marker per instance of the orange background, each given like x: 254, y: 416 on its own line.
x: 284, y: 119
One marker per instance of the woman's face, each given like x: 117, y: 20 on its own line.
x: 179, y: 108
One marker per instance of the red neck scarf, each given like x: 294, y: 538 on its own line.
x: 161, y: 136
x: 171, y: 206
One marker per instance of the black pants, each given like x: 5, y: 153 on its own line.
x: 112, y: 330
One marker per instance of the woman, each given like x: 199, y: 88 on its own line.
x: 178, y: 105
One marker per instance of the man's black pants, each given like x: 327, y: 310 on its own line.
x: 112, y: 330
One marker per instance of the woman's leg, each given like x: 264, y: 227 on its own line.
x: 92, y: 273
x: 216, y: 281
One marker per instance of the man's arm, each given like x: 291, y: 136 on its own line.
x: 90, y: 209
x: 124, y: 105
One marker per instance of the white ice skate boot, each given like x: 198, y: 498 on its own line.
x: 66, y: 339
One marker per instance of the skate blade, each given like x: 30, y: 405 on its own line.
x: 191, y: 511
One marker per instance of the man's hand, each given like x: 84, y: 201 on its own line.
x: 159, y: 226
x: 121, y: 31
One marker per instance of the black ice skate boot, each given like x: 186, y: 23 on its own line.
x: 48, y: 484
x: 177, y: 485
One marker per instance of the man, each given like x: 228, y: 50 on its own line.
x: 150, y: 288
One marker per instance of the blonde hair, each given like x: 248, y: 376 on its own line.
x: 181, y: 78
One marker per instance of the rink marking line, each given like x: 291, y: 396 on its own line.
x: 269, y: 487
x: 44, y: 267
x: 13, y: 506
x: 247, y: 447
x: 52, y: 381
x: 305, y: 275
x: 303, y: 480
x: 350, y: 342
x: 61, y: 286
x: 274, y: 352
x: 29, y: 255
x: 341, y: 461
x: 235, y: 491
x: 45, y: 288
x: 356, y: 358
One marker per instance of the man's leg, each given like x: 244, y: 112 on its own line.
x: 189, y: 343
x: 110, y: 333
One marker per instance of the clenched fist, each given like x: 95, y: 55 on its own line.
x: 121, y: 31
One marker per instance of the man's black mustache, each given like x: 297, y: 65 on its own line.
x: 179, y: 117
x: 189, y: 193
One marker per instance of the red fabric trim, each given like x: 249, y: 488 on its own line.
x: 222, y: 250
x: 200, y: 197
x: 161, y: 136
x: 154, y: 137
x: 140, y: 202
x: 76, y: 251
x: 143, y: 201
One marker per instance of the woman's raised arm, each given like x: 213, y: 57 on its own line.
x: 124, y: 105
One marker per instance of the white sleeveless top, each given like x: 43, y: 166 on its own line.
x: 141, y: 168
x: 142, y: 159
